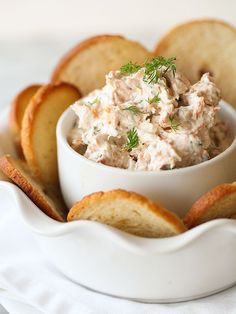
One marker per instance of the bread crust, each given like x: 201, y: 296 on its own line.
x: 196, y: 213
x: 93, y: 198
x: 8, y: 167
x: 28, y: 122
x: 18, y: 106
x: 14, y: 122
x: 165, y: 39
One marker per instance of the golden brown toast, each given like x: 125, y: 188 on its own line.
x: 220, y: 202
x: 49, y: 202
x: 17, y: 111
x: 128, y: 211
x: 87, y: 64
x: 38, y: 133
x: 202, y: 46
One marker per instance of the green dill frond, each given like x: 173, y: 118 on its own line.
x: 95, y: 101
x: 154, y: 99
x: 134, y: 109
x: 130, y: 68
x: 173, y: 122
x: 132, y: 139
x: 158, y: 66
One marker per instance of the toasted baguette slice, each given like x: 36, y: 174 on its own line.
x: 220, y: 202
x: 3, y: 177
x: 128, y: 211
x: 204, y: 46
x: 18, y: 172
x: 38, y: 134
x: 18, y: 107
x: 87, y: 64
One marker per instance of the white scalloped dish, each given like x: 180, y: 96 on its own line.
x: 196, y: 263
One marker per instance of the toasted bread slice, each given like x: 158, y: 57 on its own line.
x: 87, y: 64
x: 128, y: 211
x: 18, y: 107
x: 204, y: 46
x: 220, y: 202
x: 38, y: 133
x: 3, y: 177
x: 18, y: 172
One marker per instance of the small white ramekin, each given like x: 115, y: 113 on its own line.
x: 175, y: 189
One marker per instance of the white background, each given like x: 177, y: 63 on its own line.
x: 61, y: 18
x: 35, y: 33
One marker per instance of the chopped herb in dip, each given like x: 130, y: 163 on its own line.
x: 149, y: 117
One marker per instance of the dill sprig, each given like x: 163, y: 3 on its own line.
x: 96, y: 130
x: 173, y: 123
x: 95, y: 101
x: 132, y: 139
x: 130, y: 68
x: 156, y: 67
x: 134, y: 109
x: 154, y: 99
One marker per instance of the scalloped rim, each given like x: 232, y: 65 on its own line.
x: 51, y: 228
x: 42, y: 225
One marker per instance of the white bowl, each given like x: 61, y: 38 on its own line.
x: 175, y: 189
x: 196, y: 263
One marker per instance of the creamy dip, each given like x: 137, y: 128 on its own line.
x: 142, y: 124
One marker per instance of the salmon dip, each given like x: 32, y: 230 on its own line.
x: 149, y: 117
